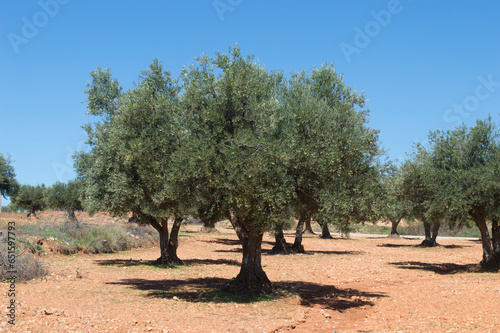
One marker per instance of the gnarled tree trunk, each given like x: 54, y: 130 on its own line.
x: 325, y: 232
x: 168, y: 241
x: 252, y: 279
x: 394, y: 228
x: 490, y: 258
x: 431, y: 232
x: 308, y: 228
x: 173, y: 242
x: 297, y: 246
x: 72, y: 217
x: 32, y: 212
x: 280, y: 246
x: 495, y: 233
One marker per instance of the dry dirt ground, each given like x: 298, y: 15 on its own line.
x: 362, y: 284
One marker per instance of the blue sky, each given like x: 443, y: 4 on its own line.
x: 424, y: 65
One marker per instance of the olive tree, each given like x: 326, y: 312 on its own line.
x: 259, y: 141
x: 468, y: 160
x: 239, y: 151
x: 66, y: 196
x: 421, y: 189
x: 393, y: 206
x: 30, y: 198
x: 129, y: 166
x: 329, y: 129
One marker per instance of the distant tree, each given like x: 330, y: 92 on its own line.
x: 8, y: 182
x: 468, y: 160
x: 67, y: 197
x: 30, y: 198
x: 421, y: 188
x: 129, y: 167
x: 329, y: 129
x: 392, y: 205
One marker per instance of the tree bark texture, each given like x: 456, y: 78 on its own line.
x: 308, y: 228
x: 252, y: 279
x: 495, y: 233
x: 297, y: 246
x: 490, y: 258
x: 169, y: 241
x: 325, y: 232
x: 431, y: 232
x: 280, y: 246
x: 394, y: 228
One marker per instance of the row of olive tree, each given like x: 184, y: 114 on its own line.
x: 60, y: 196
x: 456, y: 180
x: 228, y: 139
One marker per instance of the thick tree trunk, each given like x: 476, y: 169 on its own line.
x: 495, y: 233
x: 168, y: 242
x: 325, y: 232
x: 394, y: 228
x: 430, y: 234
x: 32, y: 212
x: 490, y: 258
x: 435, y: 231
x: 297, y: 246
x: 280, y: 246
x: 252, y: 279
x: 72, y: 217
x: 164, y: 235
x: 173, y: 243
x: 308, y: 228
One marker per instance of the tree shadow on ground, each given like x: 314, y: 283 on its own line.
x: 396, y: 245
x: 313, y: 252
x: 223, y: 241
x: 419, y: 246
x: 209, y: 290
x: 443, y: 269
x: 153, y: 263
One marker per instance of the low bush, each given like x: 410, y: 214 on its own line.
x: 73, y: 238
x: 26, y: 266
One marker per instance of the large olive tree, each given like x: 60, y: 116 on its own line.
x: 129, y: 166
x: 239, y: 151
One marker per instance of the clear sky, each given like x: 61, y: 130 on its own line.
x: 424, y: 65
